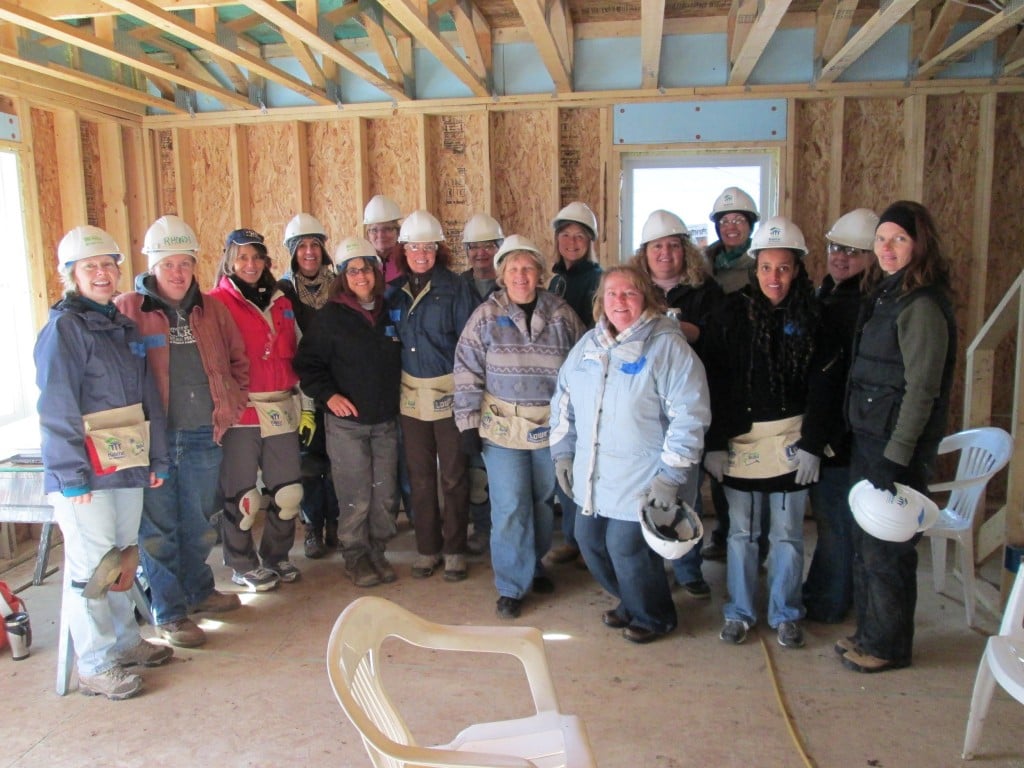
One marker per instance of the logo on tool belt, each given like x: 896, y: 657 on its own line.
x: 538, y: 435
x: 444, y: 403
x: 276, y: 417
x: 116, y: 450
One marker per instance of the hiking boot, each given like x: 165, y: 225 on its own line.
x: 362, y: 573
x: 183, y: 633
x: 790, y: 635
x: 734, y: 631
x: 509, y: 607
x: 218, y: 602
x: 259, y: 579
x: 383, y: 568
x: 698, y: 588
x: 455, y: 568
x: 285, y: 571
x: 331, y: 535
x: 478, y: 542
x: 145, y: 654
x: 566, y: 553
x: 114, y: 683
x: 313, y: 545
x: 425, y: 565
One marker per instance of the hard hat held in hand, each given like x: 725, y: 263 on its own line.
x: 778, y: 232
x: 671, y: 531
x: 892, y: 518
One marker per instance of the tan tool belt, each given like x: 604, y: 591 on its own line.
x: 767, y: 450
x: 428, y: 399
x: 279, y: 412
x: 523, y: 427
x: 117, y: 438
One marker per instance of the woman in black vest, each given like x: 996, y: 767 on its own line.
x: 897, y: 404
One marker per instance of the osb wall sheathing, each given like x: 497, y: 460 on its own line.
x: 166, y: 198
x: 392, y: 154
x: 456, y: 147
x: 812, y: 148
x: 48, y: 182
x: 93, y: 178
x: 334, y: 179
x: 273, y: 170
x: 580, y: 159
x: 213, y: 201
x: 524, y: 158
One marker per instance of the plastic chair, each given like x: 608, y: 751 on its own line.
x: 1002, y: 662
x: 547, y: 739
x: 983, y: 452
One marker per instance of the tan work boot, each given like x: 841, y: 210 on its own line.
x: 114, y: 683
x: 183, y: 633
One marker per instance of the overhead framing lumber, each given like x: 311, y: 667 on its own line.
x: 881, y: 22
x: 652, y: 24
x: 557, y: 59
x: 836, y: 25
x: 757, y: 40
x: 989, y: 30
x: 946, y: 19
x: 475, y: 38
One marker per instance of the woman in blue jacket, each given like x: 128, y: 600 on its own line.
x: 90, y: 360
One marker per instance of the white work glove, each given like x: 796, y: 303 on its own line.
x: 663, y: 492
x: 808, y: 467
x: 563, y: 474
x: 715, y: 463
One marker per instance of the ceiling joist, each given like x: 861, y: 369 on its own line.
x: 534, y: 14
x: 757, y: 40
x: 881, y: 22
x: 989, y: 30
x: 652, y: 24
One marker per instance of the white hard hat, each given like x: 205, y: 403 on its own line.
x: 662, y: 224
x: 515, y: 243
x: 580, y: 213
x: 167, y: 236
x: 778, y: 232
x: 303, y: 224
x: 671, y: 531
x: 381, y: 209
x: 354, y: 248
x: 892, y: 518
x: 855, y: 229
x: 734, y: 199
x: 482, y: 228
x: 421, y: 227
x: 85, y: 242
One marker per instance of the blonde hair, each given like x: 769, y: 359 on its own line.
x: 542, y: 268
x: 695, y: 267
x: 639, y: 280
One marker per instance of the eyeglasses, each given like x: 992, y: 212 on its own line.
x: 733, y: 221
x: 487, y: 245
x: 357, y: 271
x: 849, y: 250
x: 422, y: 247
x: 380, y: 230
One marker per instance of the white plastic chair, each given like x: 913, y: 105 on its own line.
x: 547, y: 739
x: 1002, y: 662
x: 983, y: 452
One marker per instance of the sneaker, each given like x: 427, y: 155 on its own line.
x: 285, y: 571
x: 313, y: 546
x: 383, y: 568
x: 183, y: 633
x: 218, y: 602
x: 566, y: 553
x: 114, y: 683
x: 331, y: 535
x: 362, y: 573
x: 698, y: 588
x: 145, y: 654
x: 425, y: 565
x: 509, y: 607
x: 455, y: 568
x: 478, y: 542
x: 734, y: 631
x: 790, y: 635
x: 259, y: 579
x: 713, y: 551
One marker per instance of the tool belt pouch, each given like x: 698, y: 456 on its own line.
x: 279, y: 412
x: 117, y: 439
x: 767, y: 450
x: 428, y: 399
x: 521, y: 427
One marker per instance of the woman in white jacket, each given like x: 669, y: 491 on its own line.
x: 627, y: 429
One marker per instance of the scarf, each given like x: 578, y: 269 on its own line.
x: 312, y: 291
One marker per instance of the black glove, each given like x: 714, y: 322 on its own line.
x: 470, y: 442
x: 883, y: 473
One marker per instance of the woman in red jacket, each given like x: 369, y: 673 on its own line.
x: 265, y: 438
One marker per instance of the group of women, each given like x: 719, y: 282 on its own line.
x: 619, y: 388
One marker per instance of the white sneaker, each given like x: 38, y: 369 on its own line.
x: 259, y: 579
x: 114, y: 683
x: 285, y: 571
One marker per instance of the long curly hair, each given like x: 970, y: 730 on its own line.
x: 695, y: 271
x: 788, y: 356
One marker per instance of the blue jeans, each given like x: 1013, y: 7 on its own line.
x: 688, y: 567
x: 174, y: 536
x: 569, y: 512
x: 479, y: 495
x: 828, y: 590
x: 617, y: 554
x: 521, y: 483
x: 785, y: 555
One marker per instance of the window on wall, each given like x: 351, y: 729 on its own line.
x: 687, y: 183
x: 17, y: 386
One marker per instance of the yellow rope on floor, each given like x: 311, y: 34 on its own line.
x: 797, y: 741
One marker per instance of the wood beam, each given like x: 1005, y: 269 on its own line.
x: 115, y: 194
x: 239, y: 149
x: 1013, y: 59
x: 563, y: 30
x: 207, y: 20
x: 838, y: 28
x: 183, y: 198
x: 67, y: 134
x: 914, y: 123
x: 652, y: 23
x: 949, y: 14
x: 973, y: 40
x: 760, y: 35
x: 835, y: 161
x: 66, y: 33
x: 742, y: 15
x: 535, y: 18
x: 373, y: 22
x: 52, y: 92
x: 37, y: 251
x: 881, y: 22
x: 76, y: 9
x: 473, y: 43
x: 287, y: 21
x: 140, y: 189
x: 984, y: 178
x: 309, y: 12
x: 423, y: 27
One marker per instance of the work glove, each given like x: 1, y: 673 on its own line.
x: 663, y: 492
x: 563, y: 474
x: 808, y: 467
x: 470, y: 442
x: 715, y: 463
x: 307, y: 427
x: 882, y: 474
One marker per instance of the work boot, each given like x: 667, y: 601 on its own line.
x: 383, y: 568
x: 313, y: 546
x: 183, y: 633
x: 218, y: 602
x: 145, y: 654
x: 114, y: 683
x: 362, y: 573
